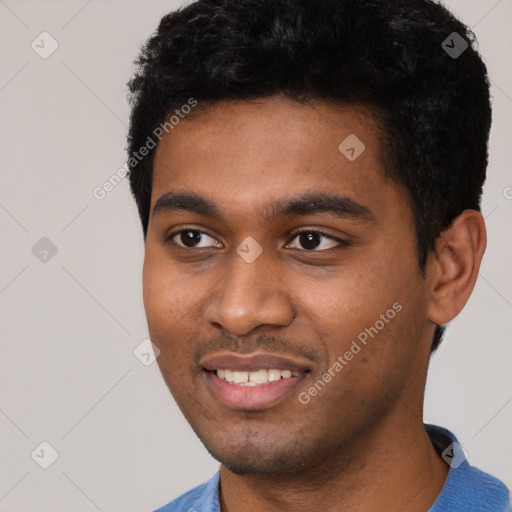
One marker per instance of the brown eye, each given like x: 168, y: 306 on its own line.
x: 317, y: 241
x: 191, y: 239
x: 310, y: 241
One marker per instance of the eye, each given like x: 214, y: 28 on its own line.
x: 192, y: 239
x: 312, y: 241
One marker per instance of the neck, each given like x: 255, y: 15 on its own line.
x: 392, y: 467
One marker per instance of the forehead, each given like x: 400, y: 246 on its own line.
x: 245, y: 153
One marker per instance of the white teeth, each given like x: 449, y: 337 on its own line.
x: 274, y: 375
x: 255, y: 378
x: 259, y: 377
x: 240, y: 377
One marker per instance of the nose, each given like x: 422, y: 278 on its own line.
x: 249, y: 296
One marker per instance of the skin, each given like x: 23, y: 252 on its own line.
x: 359, y: 444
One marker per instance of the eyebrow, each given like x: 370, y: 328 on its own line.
x: 305, y: 204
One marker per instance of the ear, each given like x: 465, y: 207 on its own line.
x: 453, y: 267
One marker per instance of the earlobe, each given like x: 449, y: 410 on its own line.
x: 454, y: 265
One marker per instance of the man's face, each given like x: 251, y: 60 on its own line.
x: 349, y: 284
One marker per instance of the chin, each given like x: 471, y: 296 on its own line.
x: 244, y: 465
x: 250, y: 457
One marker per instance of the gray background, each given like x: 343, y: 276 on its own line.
x: 70, y: 324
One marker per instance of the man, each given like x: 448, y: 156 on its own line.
x: 308, y: 174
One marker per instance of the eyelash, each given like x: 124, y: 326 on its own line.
x: 341, y: 243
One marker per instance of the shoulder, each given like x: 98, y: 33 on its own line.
x: 467, y: 488
x: 487, y: 493
x: 204, y: 497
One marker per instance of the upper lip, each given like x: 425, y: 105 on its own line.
x: 252, y: 362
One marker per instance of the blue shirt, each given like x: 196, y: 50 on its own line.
x: 467, y: 489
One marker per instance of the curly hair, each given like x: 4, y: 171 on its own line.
x: 433, y: 107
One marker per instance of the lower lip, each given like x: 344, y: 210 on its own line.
x: 251, y: 398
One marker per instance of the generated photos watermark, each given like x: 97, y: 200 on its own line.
x: 355, y: 348
x: 100, y: 192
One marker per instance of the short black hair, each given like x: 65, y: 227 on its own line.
x: 433, y: 105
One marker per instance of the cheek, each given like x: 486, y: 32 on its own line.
x: 350, y: 299
x: 169, y: 302
x: 160, y: 302
x: 155, y: 293
x: 163, y: 288
x: 367, y: 311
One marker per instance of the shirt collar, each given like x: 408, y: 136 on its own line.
x: 442, y: 439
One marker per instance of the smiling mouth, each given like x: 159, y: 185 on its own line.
x: 253, y: 382
x: 254, y: 390
x: 254, y: 378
